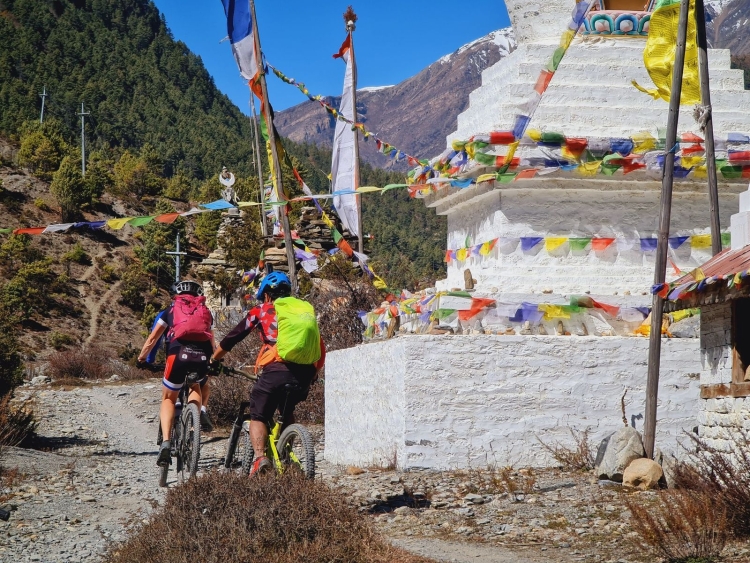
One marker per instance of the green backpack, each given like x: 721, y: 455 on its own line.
x: 298, y: 340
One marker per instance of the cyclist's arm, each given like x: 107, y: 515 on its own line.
x: 151, y: 341
x: 234, y: 337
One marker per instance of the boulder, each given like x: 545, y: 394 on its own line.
x: 642, y: 474
x: 689, y: 327
x: 668, y: 463
x: 623, y: 447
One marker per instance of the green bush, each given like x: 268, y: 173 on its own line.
x: 40, y: 204
x: 108, y: 273
x: 59, y: 340
x: 11, y: 366
x: 77, y: 254
x: 134, y: 283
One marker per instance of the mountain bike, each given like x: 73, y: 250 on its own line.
x: 288, y: 446
x: 185, y: 434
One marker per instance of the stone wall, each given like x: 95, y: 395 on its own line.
x: 447, y: 402
x: 719, y: 417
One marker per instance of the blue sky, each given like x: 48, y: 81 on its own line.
x: 393, y: 41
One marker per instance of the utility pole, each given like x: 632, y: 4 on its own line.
x: 83, y: 115
x: 350, y: 27
x: 708, y: 127
x: 177, y: 255
x: 665, y: 211
x: 43, y: 95
x: 259, y: 169
x: 266, y: 106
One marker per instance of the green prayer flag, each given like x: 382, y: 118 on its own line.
x: 393, y: 187
x: 336, y: 236
x: 579, y: 243
x: 484, y: 158
x: 506, y: 177
x: 141, y: 221
x: 726, y: 239
x: 459, y: 294
x: 5, y: 231
x: 731, y: 172
x: 553, y: 138
x: 442, y: 313
x: 609, y: 169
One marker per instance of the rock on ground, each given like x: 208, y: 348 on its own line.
x: 642, y: 474
x: 623, y: 447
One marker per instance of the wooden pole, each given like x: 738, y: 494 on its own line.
x: 259, y: 168
x: 665, y: 210
x: 350, y: 27
x: 713, y: 190
x: 274, y: 154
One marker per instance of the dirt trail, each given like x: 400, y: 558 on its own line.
x: 460, y: 552
x: 92, y: 302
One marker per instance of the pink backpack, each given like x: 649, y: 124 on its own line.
x: 191, y: 319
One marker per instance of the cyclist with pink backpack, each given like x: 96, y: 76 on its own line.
x: 191, y: 342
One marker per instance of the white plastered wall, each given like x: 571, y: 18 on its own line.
x: 449, y: 402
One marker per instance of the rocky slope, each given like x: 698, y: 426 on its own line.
x: 730, y: 26
x: 415, y: 115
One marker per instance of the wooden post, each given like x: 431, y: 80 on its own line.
x: 665, y: 210
x: 274, y: 154
x: 350, y: 27
x: 259, y: 168
x: 713, y: 190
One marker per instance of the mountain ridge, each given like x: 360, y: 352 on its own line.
x: 428, y: 104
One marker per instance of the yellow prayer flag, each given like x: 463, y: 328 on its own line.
x: 691, y: 161
x: 247, y: 203
x: 700, y: 172
x: 485, y: 178
x: 486, y: 249
x: 511, y: 152
x: 698, y: 274
x: 700, y: 241
x: 328, y: 221
x: 590, y: 168
x: 366, y: 189
x: 117, y: 224
x: 659, y: 54
x: 553, y: 243
x: 553, y: 311
x: 534, y: 134
x: 461, y: 254
x: 644, y: 142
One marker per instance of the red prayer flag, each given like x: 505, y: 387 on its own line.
x: 30, y: 231
x: 543, y: 81
x: 599, y: 244
x: 526, y: 174
x: 611, y: 310
x: 502, y: 137
x: 664, y: 291
x: 692, y: 149
x: 167, y: 218
x: 690, y: 138
x: 345, y: 46
x: 628, y: 168
x: 477, y: 304
x: 739, y: 156
x: 345, y: 248
x: 576, y: 145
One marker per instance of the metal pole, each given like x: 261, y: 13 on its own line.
x: 43, y: 95
x: 350, y: 27
x: 274, y: 153
x: 665, y: 207
x: 259, y: 168
x: 177, y: 255
x: 708, y: 130
x: 83, y: 115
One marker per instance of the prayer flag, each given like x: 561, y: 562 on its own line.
x: 240, y: 31
x: 527, y: 243
x: 700, y: 241
x: 599, y: 244
x: 30, y: 231
x: 344, y: 168
x: 553, y: 243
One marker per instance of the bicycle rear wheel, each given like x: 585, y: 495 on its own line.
x: 237, y: 450
x: 190, y: 442
x: 297, y: 449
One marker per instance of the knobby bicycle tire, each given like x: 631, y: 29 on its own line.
x: 164, y: 469
x: 190, y: 442
x: 247, y: 450
x: 237, y: 450
x: 296, y: 440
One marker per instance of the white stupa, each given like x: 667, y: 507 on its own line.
x: 590, y: 96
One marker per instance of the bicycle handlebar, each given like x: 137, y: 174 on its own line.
x: 214, y: 368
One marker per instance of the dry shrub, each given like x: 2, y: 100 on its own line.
x: 226, y: 395
x: 684, y: 526
x: 126, y: 372
x: 91, y: 363
x: 226, y: 517
x: 724, y: 476
x: 582, y: 457
x: 17, y: 422
x: 508, y: 480
x: 313, y: 409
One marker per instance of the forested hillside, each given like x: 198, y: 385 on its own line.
x: 157, y: 125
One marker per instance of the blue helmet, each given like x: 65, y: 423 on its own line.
x: 274, y: 282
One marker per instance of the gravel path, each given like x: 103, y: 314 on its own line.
x: 97, y: 477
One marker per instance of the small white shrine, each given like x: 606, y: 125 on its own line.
x: 489, y: 393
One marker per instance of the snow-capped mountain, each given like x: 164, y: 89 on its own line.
x: 415, y: 115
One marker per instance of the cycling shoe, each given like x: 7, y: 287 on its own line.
x: 165, y: 455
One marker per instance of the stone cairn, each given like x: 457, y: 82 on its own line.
x: 217, y: 259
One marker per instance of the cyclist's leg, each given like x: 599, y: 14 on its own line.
x: 171, y: 385
x: 264, y: 400
x: 302, y: 376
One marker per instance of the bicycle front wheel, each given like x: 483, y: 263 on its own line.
x: 190, y: 441
x: 238, y: 450
x: 297, y: 449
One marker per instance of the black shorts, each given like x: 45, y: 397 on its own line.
x: 189, y: 359
x: 269, y: 393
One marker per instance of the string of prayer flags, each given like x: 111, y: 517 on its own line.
x: 507, y: 245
